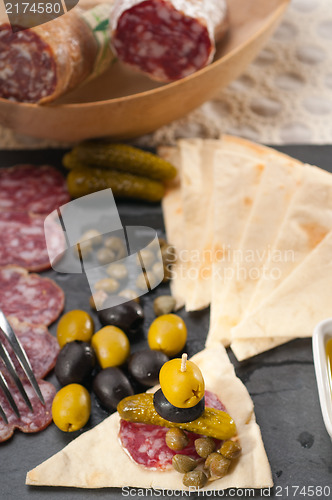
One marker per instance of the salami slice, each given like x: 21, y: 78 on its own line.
x: 39, y: 64
x: 34, y: 421
x: 40, y: 346
x: 146, y: 444
x: 167, y: 39
x: 29, y: 297
x: 30, y: 188
x: 23, y: 240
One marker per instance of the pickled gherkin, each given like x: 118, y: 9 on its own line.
x: 120, y: 157
x: 84, y: 180
x: 212, y: 423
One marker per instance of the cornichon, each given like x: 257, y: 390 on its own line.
x: 212, y: 423
x: 120, y: 157
x: 85, y: 180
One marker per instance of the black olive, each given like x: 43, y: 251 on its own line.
x: 173, y: 414
x: 128, y: 316
x: 145, y: 366
x: 110, y: 386
x: 75, y: 363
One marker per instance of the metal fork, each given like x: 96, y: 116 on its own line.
x: 25, y: 364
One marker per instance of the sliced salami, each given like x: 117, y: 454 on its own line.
x: 23, y: 241
x: 34, y: 421
x: 29, y: 297
x: 40, y: 346
x: 167, y: 39
x: 30, y: 188
x: 146, y: 445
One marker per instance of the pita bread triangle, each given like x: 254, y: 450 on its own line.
x: 97, y: 460
x: 301, y: 301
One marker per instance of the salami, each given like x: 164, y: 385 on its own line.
x: 40, y: 346
x: 167, y: 39
x: 39, y: 64
x: 23, y: 240
x: 29, y: 297
x: 30, y: 188
x: 34, y: 421
x: 146, y: 444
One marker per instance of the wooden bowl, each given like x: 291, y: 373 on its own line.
x: 123, y: 104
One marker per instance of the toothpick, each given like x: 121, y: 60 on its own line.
x: 183, y: 362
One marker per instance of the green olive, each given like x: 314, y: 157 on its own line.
x: 117, y: 246
x: 183, y: 463
x: 75, y: 325
x: 71, y: 408
x: 195, y: 478
x: 167, y: 333
x: 105, y: 256
x: 108, y: 285
x: 217, y: 464
x: 164, y: 304
x: 111, y: 346
x: 204, y: 446
x: 117, y: 271
x: 176, y: 439
x: 230, y: 449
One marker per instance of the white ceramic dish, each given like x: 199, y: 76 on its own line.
x: 322, y: 333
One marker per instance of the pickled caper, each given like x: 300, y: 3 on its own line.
x: 146, y: 280
x: 108, y: 285
x: 217, y: 464
x: 97, y: 299
x: 93, y: 236
x: 82, y: 250
x: 183, y: 463
x: 204, y: 446
x: 117, y: 271
x: 176, y: 439
x: 129, y: 294
x: 105, y: 256
x: 230, y: 449
x: 117, y: 245
x: 195, y: 478
x: 146, y: 257
x: 158, y: 270
x: 163, y: 305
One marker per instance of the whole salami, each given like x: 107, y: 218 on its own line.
x: 30, y: 188
x: 146, y: 444
x: 167, y: 39
x: 29, y: 297
x: 39, y: 64
x: 23, y: 240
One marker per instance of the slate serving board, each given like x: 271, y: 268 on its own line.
x: 281, y: 382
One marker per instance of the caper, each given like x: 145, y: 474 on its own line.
x: 129, y: 294
x: 82, y: 250
x: 158, y: 270
x: 108, y: 285
x: 204, y: 446
x: 176, y: 439
x: 146, y: 279
x: 183, y: 463
x: 163, y: 305
x: 105, y: 256
x: 230, y: 449
x: 117, y: 246
x: 97, y: 299
x: 146, y: 257
x: 195, y: 478
x: 117, y: 271
x: 217, y: 464
x: 94, y: 237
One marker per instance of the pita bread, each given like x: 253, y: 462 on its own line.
x: 97, y: 460
x: 236, y: 181
x: 301, y: 301
x: 173, y: 219
x: 280, y: 180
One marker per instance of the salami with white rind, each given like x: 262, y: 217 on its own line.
x: 29, y: 297
x: 167, y: 39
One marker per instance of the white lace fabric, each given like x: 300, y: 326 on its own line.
x: 284, y: 96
